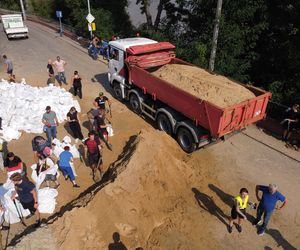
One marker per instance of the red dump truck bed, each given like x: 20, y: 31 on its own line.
x: 219, y: 121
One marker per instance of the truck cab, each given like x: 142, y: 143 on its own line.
x: 117, y: 56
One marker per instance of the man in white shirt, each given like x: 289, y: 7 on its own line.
x: 60, y: 67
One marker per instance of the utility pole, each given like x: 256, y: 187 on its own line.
x: 23, y: 10
x: 89, y: 10
x: 215, y: 37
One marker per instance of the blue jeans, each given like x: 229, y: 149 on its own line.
x: 51, y: 133
x: 62, y: 77
x: 267, y: 216
x: 67, y: 171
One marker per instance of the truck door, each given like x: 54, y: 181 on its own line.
x: 116, y: 64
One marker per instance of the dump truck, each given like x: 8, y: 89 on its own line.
x: 14, y: 26
x: 157, y: 85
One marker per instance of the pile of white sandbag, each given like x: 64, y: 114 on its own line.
x: 22, y: 107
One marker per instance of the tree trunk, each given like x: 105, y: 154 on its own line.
x: 160, y: 8
x: 147, y: 13
x: 215, y: 37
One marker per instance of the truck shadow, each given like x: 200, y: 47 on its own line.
x: 207, y: 203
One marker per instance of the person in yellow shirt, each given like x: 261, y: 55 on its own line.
x: 238, y: 210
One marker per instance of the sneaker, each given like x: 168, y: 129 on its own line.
x: 76, y: 140
x: 66, y: 177
x: 76, y: 186
x: 239, y: 228
x: 37, y: 223
x: 261, y: 232
x: 229, y: 228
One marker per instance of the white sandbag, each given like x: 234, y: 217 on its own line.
x: 39, y: 179
x: 47, y: 200
x: 22, y: 107
x: 10, y: 214
x: 59, y: 147
x: 110, y: 130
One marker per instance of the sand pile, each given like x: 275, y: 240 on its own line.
x: 216, y: 89
x: 150, y: 204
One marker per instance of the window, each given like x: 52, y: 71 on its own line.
x: 114, y: 54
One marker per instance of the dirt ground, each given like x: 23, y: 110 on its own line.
x: 216, y: 89
x: 160, y: 198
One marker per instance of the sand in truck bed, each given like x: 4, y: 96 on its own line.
x: 216, y: 89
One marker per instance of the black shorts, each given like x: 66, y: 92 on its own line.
x: 290, y: 126
x: 93, y: 158
x: 235, y: 214
x: 29, y: 206
x: 10, y: 71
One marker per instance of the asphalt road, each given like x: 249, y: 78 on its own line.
x: 30, y: 57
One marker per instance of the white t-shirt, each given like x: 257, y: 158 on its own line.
x: 60, y: 65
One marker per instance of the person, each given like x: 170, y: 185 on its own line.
x: 74, y: 123
x: 44, y: 164
x: 93, y: 151
x: 267, y: 204
x: 13, y: 163
x: 65, y: 158
x: 100, y: 126
x: 51, y: 122
x: 60, y: 67
x: 238, y: 210
x: 100, y: 103
x: 77, y: 86
x: 9, y: 68
x: 51, y: 79
x: 27, y: 195
x: 39, y: 147
x: 291, y: 121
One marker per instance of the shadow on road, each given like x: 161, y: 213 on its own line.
x: 281, y: 242
x: 103, y: 80
x: 207, y: 203
x: 228, y: 199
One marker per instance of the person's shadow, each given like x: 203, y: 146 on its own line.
x: 207, y: 203
x: 277, y: 236
x: 228, y: 199
x: 117, y: 244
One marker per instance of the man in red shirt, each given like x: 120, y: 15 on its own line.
x: 93, y: 152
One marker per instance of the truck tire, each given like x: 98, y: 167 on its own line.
x: 186, y: 140
x: 164, y: 124
x: 135, y: 103
x: 118, y: 91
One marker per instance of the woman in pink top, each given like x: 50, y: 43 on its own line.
x: 60, y: 67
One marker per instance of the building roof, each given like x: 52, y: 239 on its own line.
x: 123, y: 44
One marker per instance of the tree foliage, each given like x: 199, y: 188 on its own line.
x: 258, y: 41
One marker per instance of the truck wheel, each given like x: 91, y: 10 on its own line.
x: 186, y: 140
x: 118, y: 91
x: 135, y: 103
x: 164, y: 124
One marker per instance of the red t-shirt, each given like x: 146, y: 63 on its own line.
x: 92, y: 146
